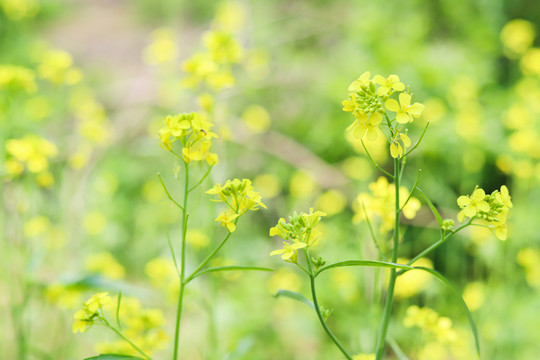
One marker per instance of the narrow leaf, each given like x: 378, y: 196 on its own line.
x: 448, y: 284
x: 295, y: 296
x: 368, y: 263
x: 113, y: 357
x: 232, y: 268
x: 118, y: 310
x: 431, y: 206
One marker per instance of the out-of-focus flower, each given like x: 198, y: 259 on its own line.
x: 517, y: 36
x: 14, y: 77
x: 381, y: 202
x: 163, y: 48
x: 89, y: 314
x: 104, y: 263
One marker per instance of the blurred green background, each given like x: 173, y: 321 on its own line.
x: 85, y: 87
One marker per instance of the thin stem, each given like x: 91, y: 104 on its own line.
x: 121, y: 334
x: 210, y: 256
x: 318, y: 309
x: 185, y: 216
x: 391, y: 284
x: 419, y: 140
x: 413, y: 189
x: 374, y: 163
x: 202, y: 179
x: 167, y: 192
x: 435, y: 245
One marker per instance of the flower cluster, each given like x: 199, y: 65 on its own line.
x: 240, y: 197
x: 143, y: 326
x: 31, y: 152
x: 381, y: 202
x: 430, y: 322
x: 301, y: 230
x: 368, y: 101
x: 211, y: 68
x: 192, y: 130
x: 490, y: 209
x: 13, y: 77
x: 90, y: 312
x: 57, y: 67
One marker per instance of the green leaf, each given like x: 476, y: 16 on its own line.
x: 432, y: 207
x: 370, y: 263
x: 113, y: 357
x: 295, y: 296
x: 448, y: 284
x: 232, y: 268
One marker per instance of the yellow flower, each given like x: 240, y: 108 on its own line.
x: 300, y: 228
x: 105, y: 264
x: 363, y: 80
x: 289, y: 250
x: 226, y: 219
x: 239, y: 195
x: 396, y: 150
x: 405, y: 112
x: 163, y: 48
x: 504, y: 196
x: 86, y: 317
x: 366, y: 126
x: 473, y: 204
x: 364, y: 357
x: 14, y: 77
x: 517, y: 36
x: 223, y: 47
x: 387, y: 86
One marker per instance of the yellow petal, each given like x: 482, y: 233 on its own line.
x: 392, y: 105
x: 372, y: 134
x: 375, y: 119
x: 402, y: 117
x: 416, y: 109
x: 379, y: 79
x: 394, y: 150
x: 277, y: 252
x: 404, y: 99
x: 463, y: 201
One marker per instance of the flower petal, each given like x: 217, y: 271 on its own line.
x: 404, y: 99
x: 402, y: 117
x: 392, y: 105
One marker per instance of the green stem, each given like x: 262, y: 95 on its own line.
x: 209, y: 257
x: 434, y: 246
x: 121, y: 334
x: 202, y: 179
x: 374, y: 163
x: 318, y: 308
x: 182, y: 264
x: 383, y: 329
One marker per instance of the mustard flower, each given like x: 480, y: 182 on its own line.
x: 301, y: 227
x: 405, y: 112
x: 387, y: 86
x: 89, y: 314
x: 473, y: 204
x: 226, y: 219
x: 365, y: 125
x: 490, y: 210
x: 240, y: 197
x: 192, y: 130
x: 362, y: 81
x: 396, y: 150
x: 289, y: 250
